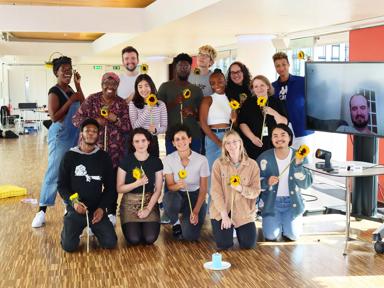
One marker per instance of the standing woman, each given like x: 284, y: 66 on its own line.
x: 113, y: 125
x: 140, y: 225
x: 62, y: 135
x: 238, y: 81
x: 283, y: 177
x: 215, y: 116
x: 154, y: 118
x: 235, y: 185
x: 255, y: 131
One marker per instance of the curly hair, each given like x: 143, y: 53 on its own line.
x: 57, y: 62
x: 147, y: 135
x: 246, y: 76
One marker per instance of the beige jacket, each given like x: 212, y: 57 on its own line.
x: 244, y: 203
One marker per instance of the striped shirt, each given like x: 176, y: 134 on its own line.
x: 156, y: 115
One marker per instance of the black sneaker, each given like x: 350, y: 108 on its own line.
x: 176, y: 231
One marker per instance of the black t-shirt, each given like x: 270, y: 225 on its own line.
x: 251, y: 115
x: 150, y: 166
x: 62, y: 99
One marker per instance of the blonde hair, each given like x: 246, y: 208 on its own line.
x: 271, y: 91
x: 224, y: 153
x: 208, y: 49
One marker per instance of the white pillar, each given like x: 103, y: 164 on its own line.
x: 256, y: 51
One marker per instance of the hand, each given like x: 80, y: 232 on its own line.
x: 194, y: 218
x: 257, y: 142
x: 142, y: 181
x: 273, y: 180
x: 80, y: 207
x: 97, y: 215
x: 102, y: 121
x: 299, y: 161
x: 76, y: 77
x: 188, y: 112
x: 112, y: 117
x: 152, y: 128
x: 181, y: 184
x: 233, y: 116
x: 76, y: 97
x: 226, y: 222
x: 238, y: 188
x: 143, y: 213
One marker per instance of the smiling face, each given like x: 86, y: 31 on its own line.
x: 280, y: 138
x: 140, y: 143
x: 204, y: 61
x: 89, y: 134
x: 217, y: 82
x: 260, y: 88
x: 109, y: 87
x: 236, y: 74
x: 64, y: 73
x: 144, y: 88
x: 181, y: 141
x: 130, y: 61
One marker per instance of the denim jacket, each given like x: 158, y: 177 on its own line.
x: 298, y: 178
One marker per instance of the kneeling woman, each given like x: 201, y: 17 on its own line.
x: 283, y: 176
x: 140, y: 220
x: 235, y: 185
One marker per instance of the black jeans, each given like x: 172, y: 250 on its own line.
x: 74, y: 224
x: 177, y: 202
x: 112, y: 208
x: 141, y: 232
x: 246, y: 234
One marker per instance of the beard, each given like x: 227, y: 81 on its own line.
x: 130, y: 69
x: 360, y: 124
x: 183, y: 77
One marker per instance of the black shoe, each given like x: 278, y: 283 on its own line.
x: 176, y: 231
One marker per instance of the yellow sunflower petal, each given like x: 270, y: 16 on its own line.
x: 196, y: 71
x: 187, y: 93
x: 74, y: 197
x: 104, y: 111
x: 182, y: 174
x: 137, y: 173
x: 301, y: 55
x: 151, y: 100
x: 302, y: 152
x: 234, y: 180
x: 234, y: 104
x: 262, y: 101
x: 144, y: 68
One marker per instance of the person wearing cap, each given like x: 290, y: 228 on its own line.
x: 111, y: 112
x: 63, y: 102
x: 86, y: 171
x: 180, y: 108
x: 200, y: 75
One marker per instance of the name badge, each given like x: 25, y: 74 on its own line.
x: 265, y: 131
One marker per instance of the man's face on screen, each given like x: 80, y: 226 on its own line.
x: 359, y: 111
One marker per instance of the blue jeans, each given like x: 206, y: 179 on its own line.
x: 282, y: 222
x: 177, y: 202
x: 61, y: 137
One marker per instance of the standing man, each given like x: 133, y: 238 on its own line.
x: 87, y: 170
x: 130, y: 58
x: 200, y: 77
x: 291, y: 90
x: 182, y: 108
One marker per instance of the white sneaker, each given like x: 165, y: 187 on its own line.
x: 234, y: 233
x: 39, y: 220
x: 112, y: 218
x: 84, y: 234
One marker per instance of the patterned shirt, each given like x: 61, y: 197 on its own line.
x: 115, y: 131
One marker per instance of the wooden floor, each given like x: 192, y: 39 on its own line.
x: 33, y: 257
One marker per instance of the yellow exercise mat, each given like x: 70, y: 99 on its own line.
x: 11, y: 191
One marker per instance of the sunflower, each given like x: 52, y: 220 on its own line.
x: 144, y: 68
x: 262, y: 101
x: 234, y: 104
x: 243, y: 97
x: 234, y: 180
x: 187, y: 93
x: 104, y: 111
x: 151, y: 100
x: 183, y: 174
x: 300, y: 55
x: 74, y: 197
x: 302, y: 152
x: 137, y: 173
x: 196, y: 71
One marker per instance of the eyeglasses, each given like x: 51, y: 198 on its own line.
x: 238, y: 72
x: 202, y: 55
x: 230, y: 143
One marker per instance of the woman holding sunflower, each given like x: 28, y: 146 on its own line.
x: 140, y: 179
x: 186, y: 174
x: 235, y: 185
x: 283, y: 174
x: 146, y: 111
x: 259, y: 115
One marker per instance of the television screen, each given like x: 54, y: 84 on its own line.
x: 346, y: 97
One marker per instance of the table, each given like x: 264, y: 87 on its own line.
x: 349, y: 169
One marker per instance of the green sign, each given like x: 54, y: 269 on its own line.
x: 116, y: 67
x: 97, y: 67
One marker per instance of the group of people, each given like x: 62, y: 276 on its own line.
x: 228, y: 143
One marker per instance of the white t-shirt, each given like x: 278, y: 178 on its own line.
x: 283, y: 188
x: 127, y: 86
